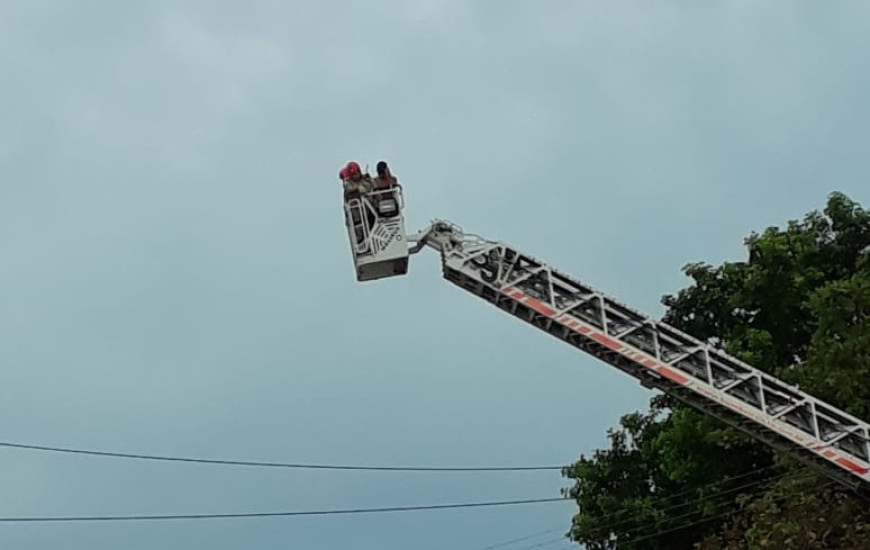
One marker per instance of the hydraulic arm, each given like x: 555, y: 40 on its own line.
x: 658, y: 355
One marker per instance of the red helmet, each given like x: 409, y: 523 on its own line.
x: 350, y: 169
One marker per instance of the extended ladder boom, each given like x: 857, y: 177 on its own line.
x: 658, y: 355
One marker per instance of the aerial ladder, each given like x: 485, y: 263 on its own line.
x: 659, y: 356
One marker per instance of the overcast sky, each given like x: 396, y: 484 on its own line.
x: 176, y: 277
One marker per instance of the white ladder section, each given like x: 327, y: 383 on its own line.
x: 660, y: 356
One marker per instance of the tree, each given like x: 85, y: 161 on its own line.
x: 798, y: 308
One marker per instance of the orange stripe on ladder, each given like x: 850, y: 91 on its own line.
x: 673, y: 375
x: 540, y: 307
x: 848, y: 464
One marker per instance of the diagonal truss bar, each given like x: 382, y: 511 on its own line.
x: 658, y: 355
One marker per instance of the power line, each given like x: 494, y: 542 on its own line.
x: 661, y: 500
x: 545, y: 543
x: 642, y: 532
x: 262, y: 464
x: 612, y: 525
x: 521, y: 539
x: 655, y: 503
x: 722, y: 515
x: 687, y: 515
x: 46, y: 519
x: 637, y: 533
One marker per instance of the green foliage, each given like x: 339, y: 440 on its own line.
x: 656, y: 477
x: 798, y: 308
x: 838, y: 367
x: 795, y: 514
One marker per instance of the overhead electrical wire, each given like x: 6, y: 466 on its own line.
x: 684, y: 516
x: 162, y: 517
x: 721, y: 515
x: 643, y: 532
x: 545, y: 543
x: 657, y: 502
x: 263, y: 464
x: 711, y: 496
x: 520, y: 539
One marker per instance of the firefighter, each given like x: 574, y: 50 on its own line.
x: 355, y: 182
x: 384, y: 179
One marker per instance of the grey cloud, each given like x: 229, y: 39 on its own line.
x: 177, y: 273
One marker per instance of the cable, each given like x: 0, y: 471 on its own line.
x: 723, y: 480
x: 272, y: 464
x: 717, y: 516
x: 687, y: 515
x: 545, y: 543
x: 655, y: 502
x: 644, y: 528
x: 610, y: 526
x: 276, y: 514
x: 641, y: 528
x: 520, y: 539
